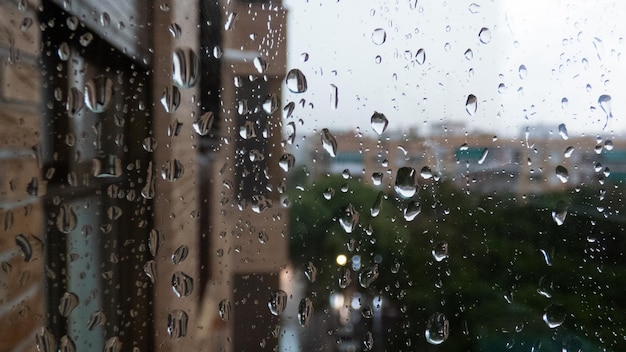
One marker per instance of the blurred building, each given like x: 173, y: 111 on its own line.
x: 129, y: 221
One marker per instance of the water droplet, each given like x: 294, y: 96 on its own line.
x: 310, y: 271
x: 563, y: 131
x: 224, y: 309
x: 379, y: 122
x: 185, y: 67
x: 72, y: 23
x: 304, y: 57
x: 522, y: 72
x: 45, y: 341
x: 114, y: 212
x: 155, y: 241
x: 420, y: 56
x: 270, y: 105
x: 368, y: 341
x: 426, y: 173
x: 412, y: 210
x: 64, y: 51
x: 287, y: 161
x: 68, y: 302
x: 277, y: 302
x: 605, y: 103
x: 562, y: 173
x: 369, y: 275
x: 440, y: 251
x: 568, y: 152
x: 66, y: 344
x: 150, y: 269
x: 554, y: 315
x: 560, y: 213
x: 85, y: 39
x: 329, y: 193
x: 66, y: 219
x: 564, y: 103
x: 329, y: 143
x: 217, y: 52
x: 437, y: 329
x: 469, y: 54
x: 182, y: 284
x: 345, y: 277
x: 546, y: 257
x: 180, y: 254
x: 148, y: 190
x: 172, y: 170
x: 231, y: 21
x: 379, y: 36
x: 334, y: 97
x: 484, y: 35
x: 98, y: 93
x: 405, y: 185
x: 378, y: 204
x: 296, y: 81
x: 24, y: 244
x: 377, y: 178
x: 483, y: 156
x: 170, y: 99
x: 105, y: 19
x: 177, y: 323
x: 305, y: 312
x: 474, y: 8
x: 75, y: 102
x: 471, y: 104
x: 202, y: 125
x: 175, y: 30
x: 349, y: 218
x: 260, y: 64
x: 97, y: 318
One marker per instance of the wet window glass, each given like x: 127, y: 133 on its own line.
x: 312, y: 176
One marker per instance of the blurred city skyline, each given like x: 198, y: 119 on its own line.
x: 528, y: 64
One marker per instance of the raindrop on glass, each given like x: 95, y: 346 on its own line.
x: 405, y: 185
x: 202, y: 125
x: 378, y: 204
x: 75, y: 102
x: 277, y: 302
x: 180, y: 254
x: 554, y: 315
x: 286, y: 162
x: 155, y: 241
x: 334, y: 97
x: 369, y: 275
x: 172, y: 170
x: 98, y: 93
x: 97, y: 318
x: 437, y: 329
x: 349, y: 218
x: 85, y: 39
x: 224, y: 309
x: 68, y: 302
x: 260, y: 64
x: 559, y: 213
x: 483, y: 156
x: 379, y: 122
x: 522, y: 71
x: 440, y: 251
x: 471, y: 104
x: 605, y: 103
x: 563, y: 131
x: 185, y: 67
x: 345, y: 277
x: 175, y: 30
x: 379, y: 36
x: 170, y: 98
x: 412, y: 210
x: 270, y: 105
x: 474, y: 8
x: 24, y: 244
x: 66, y: 219
x: 469, y: 54
x: 305, y: 311
x: 310, y: 271
x: 45, y: 341
x: 329, y: 143
x: 568, y: 152
x: 484, y: 35
x: 150, y: 269
x: 231, y: 21
x: 296, y: 81
x: 182, y: 284
x: 64, y: 51
x: 420, y: 56
x: 66, y: 344
x: 562, y: 174
x: 177, y: 323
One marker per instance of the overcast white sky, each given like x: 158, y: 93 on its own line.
x: 554, y: 40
